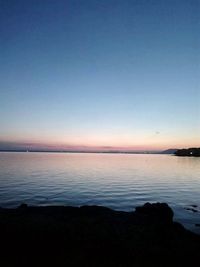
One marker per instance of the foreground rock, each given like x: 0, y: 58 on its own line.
x: 95, y: 236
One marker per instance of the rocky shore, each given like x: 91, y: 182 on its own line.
x: 95, y: 236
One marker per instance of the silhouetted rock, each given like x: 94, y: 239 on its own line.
x: 23, y: 206
x: 95, y: 236
x: 191, y: 209
x: 160, y: 212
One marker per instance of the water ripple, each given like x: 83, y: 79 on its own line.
x: 118, y: 181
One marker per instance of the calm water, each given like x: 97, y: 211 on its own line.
x: 119, y: 181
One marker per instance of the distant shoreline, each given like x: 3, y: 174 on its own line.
x: 189, y: 152
x: 85, y: 152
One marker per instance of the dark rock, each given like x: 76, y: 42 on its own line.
x: 156, y: 211
x: 95, y: 236
x: 191, y: 209
x: 23, y: 206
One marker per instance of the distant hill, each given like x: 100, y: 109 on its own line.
x: 169, y: 151
x: 189, y: 152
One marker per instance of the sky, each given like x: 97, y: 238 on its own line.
x: 109, y: 74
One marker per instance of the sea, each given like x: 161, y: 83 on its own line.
x: 117, y: 181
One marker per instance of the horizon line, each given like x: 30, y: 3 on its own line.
x: 87, y: 151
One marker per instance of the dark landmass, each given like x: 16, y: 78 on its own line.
x: 95, y: 236
x: 189, y: 152
x: 169, y: 151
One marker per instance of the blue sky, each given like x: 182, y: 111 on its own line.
x: 100, y: 73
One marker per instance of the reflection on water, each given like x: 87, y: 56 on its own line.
x: 119, y: 181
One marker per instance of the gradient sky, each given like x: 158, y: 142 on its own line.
x: 109, y: 73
